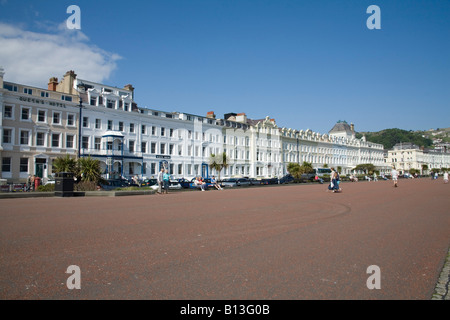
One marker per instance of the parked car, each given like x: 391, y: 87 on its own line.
x: 174, y: 185
x: 113, y: 184
x: 287, y: 179
x: 269, y: 181
x: 184, y: 183
x: 254, y: 182
x: 230, y: 182
x: 149, y: 182
x: 192, y: 185
x: 243, y: 182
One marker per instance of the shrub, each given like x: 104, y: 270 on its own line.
x: 47, y: 188
x: 85, y: 186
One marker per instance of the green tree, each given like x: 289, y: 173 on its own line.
x: 90, y: 169
x: 367, y: 168
x: 294, y: 170
x: 219, y: 162
x: 64, y: 164
x: 306, y: 167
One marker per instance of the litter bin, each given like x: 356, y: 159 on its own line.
x: 64, y: 184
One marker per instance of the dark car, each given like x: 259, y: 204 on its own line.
x: 269, y: 181
x: 149, y: 182
x: 114, y: 184
x: 243, y: 182
x: 287, y: 179
x: 192, y: 185
x: 254, y: 182
x: 185, y: 183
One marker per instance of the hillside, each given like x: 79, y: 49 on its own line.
x: 390, y: 137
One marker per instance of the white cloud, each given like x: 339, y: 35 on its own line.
x: 32, y: 58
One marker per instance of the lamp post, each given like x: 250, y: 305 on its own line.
x: 84, y: 86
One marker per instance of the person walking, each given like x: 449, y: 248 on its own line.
x: 445, y: 177
x: 166, y: 179
x: 159, y: 179
x: 394, y: 174
x: 333, y: 182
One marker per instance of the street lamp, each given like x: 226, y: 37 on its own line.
x: 85, y: 87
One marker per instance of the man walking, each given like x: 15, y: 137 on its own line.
x: 159, y: 179
x: 394, y: 174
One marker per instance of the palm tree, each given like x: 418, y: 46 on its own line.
x: 90, y: 169
x: 64, y: 164
x: 218, y: 162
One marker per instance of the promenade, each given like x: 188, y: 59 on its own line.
x: 293, y: 242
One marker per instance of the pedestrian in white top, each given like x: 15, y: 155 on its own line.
x: 445, y: 177
x: 394, y: 174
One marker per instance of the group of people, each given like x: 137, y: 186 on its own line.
x: 199, y: 181
x: 163, y: 180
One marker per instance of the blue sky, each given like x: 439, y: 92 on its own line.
x: 307, y: 64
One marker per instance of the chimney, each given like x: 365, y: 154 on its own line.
x: 129, y: 87
x: 210, y: 115
x: 241, y: 117
x: 352, y: 126
x: 52, y: 83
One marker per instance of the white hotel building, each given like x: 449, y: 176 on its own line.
x: 130, y: 140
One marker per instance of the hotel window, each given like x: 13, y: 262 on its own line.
x: 144, y: 147
x: 24, y: 137
x: 180, y: 169
x: 110, y: 104
x: 153, y: 148
x: 56, y: 118
x: 7, y: 135
x: 69, y: 141
x: 85, y: 122
x: 6, y: 165
x: 70, y: 120
x: 40, y: 139
x: 55, y: 140
x: 131, y: 145
x: 171, y: 133
x: 42, y: 116
x: 120, y: 126
x: 97, y: 142
x: 44, y: 94
x: 171, y: 149
x: 126, y: 106
x: 143, y: 129
x: 163, y: 131
x: 25, y: 114
x: 27, y: 90
x: 131, y: 127
x: 8, y: 112
x: 109, y: 145
x: 10, y: 87
x: 110, y: 124
x: 162, y: 148
x: 153, y: 168
x: 85, y: 142
x: 23, y: 164
x: 153, y: 131
x: 93, y: 101
x: 98, y: 123
x: 66, y: 98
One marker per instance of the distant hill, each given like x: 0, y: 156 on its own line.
x: 390, y: 137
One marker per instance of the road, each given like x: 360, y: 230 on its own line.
x: 290, y: 242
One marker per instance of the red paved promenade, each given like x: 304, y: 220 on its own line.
x: 274, y: 242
